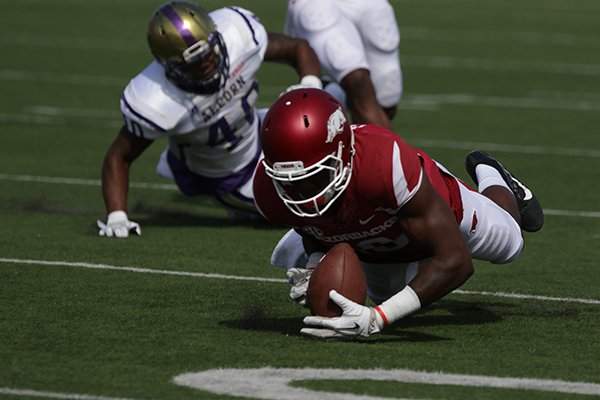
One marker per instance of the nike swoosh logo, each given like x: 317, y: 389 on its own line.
x: 528, y: 194
x: 365, y: 221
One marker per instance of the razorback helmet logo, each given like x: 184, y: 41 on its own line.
x: 335, y: 125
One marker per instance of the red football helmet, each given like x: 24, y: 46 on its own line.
x: 308, y: 146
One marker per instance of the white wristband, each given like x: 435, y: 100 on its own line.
x: 313, y: 259
x: 311, y: 81
x: 398, y: 306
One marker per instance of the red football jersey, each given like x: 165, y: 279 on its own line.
x: 386, y: 174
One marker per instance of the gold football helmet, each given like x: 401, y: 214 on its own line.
x: 184, y: 39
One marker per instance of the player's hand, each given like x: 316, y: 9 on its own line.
x: 299, y: 278
x: 308, y: 81
x: 356, y: 320
x: 118, y: 225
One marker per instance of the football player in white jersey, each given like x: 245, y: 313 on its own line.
x: 200, y: 91
x: 357, y: 44
x: 414, y: 226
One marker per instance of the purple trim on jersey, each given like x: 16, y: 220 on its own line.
x: 179, y: 26
x: 192, y: 184
x: 140, y: 116
x: 247, y: 23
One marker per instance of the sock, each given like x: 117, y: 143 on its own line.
x: 488, y: 176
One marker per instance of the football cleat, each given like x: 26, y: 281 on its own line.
x: 532, y: 215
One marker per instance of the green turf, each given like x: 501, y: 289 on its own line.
x: 517, y: 78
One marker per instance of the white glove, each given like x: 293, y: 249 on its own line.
x: 356, y: 320
x: 308, y: 81
x: 298, y: 278
x: 118, y: 225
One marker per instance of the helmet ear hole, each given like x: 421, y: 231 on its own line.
x: 306, y: 124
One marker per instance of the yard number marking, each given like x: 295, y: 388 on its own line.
x: 273, y: 383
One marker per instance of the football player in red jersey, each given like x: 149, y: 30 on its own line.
x: 414, y: 226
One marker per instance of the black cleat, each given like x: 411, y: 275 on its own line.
x: 532, y: 215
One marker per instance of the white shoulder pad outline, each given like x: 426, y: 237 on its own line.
x: 242, y: 31
x: 153, y: 100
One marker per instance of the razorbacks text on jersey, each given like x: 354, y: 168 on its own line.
x: 214, y: 135
x: 387, y: 172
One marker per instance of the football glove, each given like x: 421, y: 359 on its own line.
x: 299, y: 278
x: 118, y: 225
x: 356, y: 320
x: 308, y: 81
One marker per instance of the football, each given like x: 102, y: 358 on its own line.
x: 339, y: 269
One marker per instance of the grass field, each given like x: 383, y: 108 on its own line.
x: 84, y: 317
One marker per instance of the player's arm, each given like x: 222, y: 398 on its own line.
x: 115, y: 169
x: 299, y: 276
x: 429, y: 220
x: 296, y: 53
x: 115, y: 183
x: 361, y: 99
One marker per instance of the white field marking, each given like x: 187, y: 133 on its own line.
x: 54, y: 395
x: 507, y: 148
x: 138, y: 270
x: 73, y: 42
x: 480, y: 64
x: 433, y: 101
x: 566, y: 213
x: 66, y: 78
x: 72, y: 112
x: 269, y: 383
x: 83, y: 182
x: 443, y: 62
x: 479, y: 36
x: 259, y: 279
x: 54, y: 120
x: 171, y: 187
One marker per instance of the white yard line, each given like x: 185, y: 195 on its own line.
x: 83, y: 182
x: 54, y: 395
x: 515, y: 37
x: 166, y: 186
x: 50, y: 263
x: 507, y: 148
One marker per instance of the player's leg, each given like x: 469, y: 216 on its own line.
x: 496, y: 182
x: 378, y: 28
x: 339, y: 46
x: 490, y: 232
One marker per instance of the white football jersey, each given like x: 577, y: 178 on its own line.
x: 215, y: 135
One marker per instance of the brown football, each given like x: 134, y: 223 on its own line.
x: 339, y: 269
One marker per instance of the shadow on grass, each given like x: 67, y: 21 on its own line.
x: 445, y: 313
x: 207, y: 217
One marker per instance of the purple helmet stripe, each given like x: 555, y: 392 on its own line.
x: 179, y: 25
